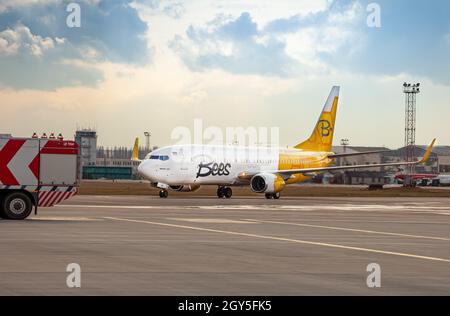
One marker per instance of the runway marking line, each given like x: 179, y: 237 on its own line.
x: 440, y: 210
x: 349, y: 229
x: 212, y: 220
x: 299, y: 241
x: 57, y: 218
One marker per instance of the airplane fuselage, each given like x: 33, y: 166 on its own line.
x: 224, y: 165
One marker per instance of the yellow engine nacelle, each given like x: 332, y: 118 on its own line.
x: 267, y: 183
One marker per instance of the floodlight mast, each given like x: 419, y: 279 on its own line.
x: 410, y: 91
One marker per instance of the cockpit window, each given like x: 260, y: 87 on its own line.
x: 163, y: 157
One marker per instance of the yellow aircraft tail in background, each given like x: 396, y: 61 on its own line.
x: 321, y: 138
x: 135, y: 156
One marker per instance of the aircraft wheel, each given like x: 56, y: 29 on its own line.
x: 220, y: 192
x: 227, y: 192
x: 163, y: 194
x: 275, y: 196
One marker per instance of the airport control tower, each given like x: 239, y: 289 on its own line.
x: 410, y: 91
x: 87, y: 145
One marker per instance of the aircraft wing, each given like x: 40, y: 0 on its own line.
x: 320, y: 169
x: 357, y: 154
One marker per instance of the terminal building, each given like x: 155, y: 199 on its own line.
x: 115, y: 163
x: 105, y: 163
x: 438, y: 163
x: 443, y: 158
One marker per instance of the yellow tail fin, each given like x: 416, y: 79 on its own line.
x: 135, y: 156
x: 321, y: 138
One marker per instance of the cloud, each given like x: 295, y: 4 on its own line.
x: 265, y: 11
x: 10, y: 4
x: 32, y: 61
x: 21, y: 38
x: 408, y: 41
x: 233, y: 45
x: 8, y: 47
x: 334, y: 36
x: 282, y: 47
x: 111, y: 31
x: 172, y: 8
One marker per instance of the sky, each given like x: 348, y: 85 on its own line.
x: 157, y: 65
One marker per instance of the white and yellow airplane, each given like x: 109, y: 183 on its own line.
x: 267, y: 170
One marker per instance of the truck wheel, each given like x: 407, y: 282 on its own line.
x: 16, y: 205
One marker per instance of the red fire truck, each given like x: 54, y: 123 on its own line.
x: 36, y: 172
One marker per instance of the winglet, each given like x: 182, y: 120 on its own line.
x: 135, y: 156
x: 427, y: 154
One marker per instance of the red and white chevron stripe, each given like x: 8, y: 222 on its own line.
x: 19, y: 161
x: 20, y: 158
x: 48, y: 198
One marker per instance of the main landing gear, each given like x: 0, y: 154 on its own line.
x: 275, y: 196
x: 163, y: 194
x: 224, y: 192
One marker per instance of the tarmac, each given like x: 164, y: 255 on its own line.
x: 144, y: 245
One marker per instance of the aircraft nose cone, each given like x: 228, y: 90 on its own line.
x: 144, y: 169
x: 140, y: 168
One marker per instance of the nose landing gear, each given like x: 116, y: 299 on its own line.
x: 224, y: 192
x: 163, y: 194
